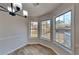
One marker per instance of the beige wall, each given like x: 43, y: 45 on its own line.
x: 60, y: 10
x: 13, y: 33
x: 76, y: 29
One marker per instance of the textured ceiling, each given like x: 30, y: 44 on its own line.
x: 38, y: 10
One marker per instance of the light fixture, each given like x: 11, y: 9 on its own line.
x: 14, y: 9
x: 17, y: 6
x: 25, y: 13
x: 9, y: 9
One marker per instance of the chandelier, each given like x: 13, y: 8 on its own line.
x: 14, y: 9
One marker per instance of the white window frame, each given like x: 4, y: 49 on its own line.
x: 72, y: 31
x: 30, y: 30
x: 41, y: 30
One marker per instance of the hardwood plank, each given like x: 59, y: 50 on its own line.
x: 34, y: 49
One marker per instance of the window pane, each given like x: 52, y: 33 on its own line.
x: 63, y: 29
x: 60, y: 22
x: 67, y: 17
x: 46, y: 29
x: 34, y: 29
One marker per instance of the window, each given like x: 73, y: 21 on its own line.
x: 34, y: 29
x: 63, y: 29
x: 46, y: 29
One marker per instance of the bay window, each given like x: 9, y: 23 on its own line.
x: 34, y: 29
x: 46, y: 29
x: 63, y: 29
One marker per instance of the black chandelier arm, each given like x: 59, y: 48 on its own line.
x: 12, y: 6
x: 16, y: 11
x: 20, y: 15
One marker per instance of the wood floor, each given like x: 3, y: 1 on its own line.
x: 34, y: 49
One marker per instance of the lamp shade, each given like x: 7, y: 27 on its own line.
x: 25, y: 13
x: 17, y: 5
x: 11, y: 10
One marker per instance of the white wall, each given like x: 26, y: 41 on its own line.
x: 12, y: 32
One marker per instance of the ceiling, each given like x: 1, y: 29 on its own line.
x: 38, y: 10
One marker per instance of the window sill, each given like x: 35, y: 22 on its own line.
x: 62, y: 48
x: 56, y: 48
